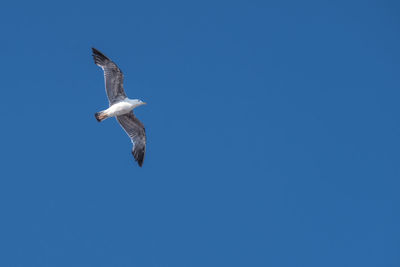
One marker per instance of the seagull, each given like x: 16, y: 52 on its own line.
x: 120, y: 106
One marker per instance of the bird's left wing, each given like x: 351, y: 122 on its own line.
x: 135, y: 130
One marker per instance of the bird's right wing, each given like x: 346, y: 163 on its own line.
x: 112, y: 75
x: 135, y: 130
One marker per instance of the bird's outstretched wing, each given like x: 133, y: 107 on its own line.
x: 113, y: 77
x: 135, y: 130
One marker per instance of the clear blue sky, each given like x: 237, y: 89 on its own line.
x: 273, y: 134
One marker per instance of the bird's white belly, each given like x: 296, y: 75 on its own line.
x: 119, y: 108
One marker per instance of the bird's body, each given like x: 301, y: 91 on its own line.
x: 120, y: 106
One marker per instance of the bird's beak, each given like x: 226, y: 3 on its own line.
x: 144, y: 103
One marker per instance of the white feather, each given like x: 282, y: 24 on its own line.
x: 123, y: 107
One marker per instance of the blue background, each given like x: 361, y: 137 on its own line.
x: 273, y: 134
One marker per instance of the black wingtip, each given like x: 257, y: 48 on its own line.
x: 139, y: 157
x: 95, y: 51
x: 99, y: 58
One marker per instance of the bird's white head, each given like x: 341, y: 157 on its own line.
x: 136, y: 102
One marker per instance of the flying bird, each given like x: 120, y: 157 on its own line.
x: 120, y: 106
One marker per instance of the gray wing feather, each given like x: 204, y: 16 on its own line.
x: 113, y: 76
x: 135, y: 130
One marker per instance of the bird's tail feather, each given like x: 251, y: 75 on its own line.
x: 100, y: 116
